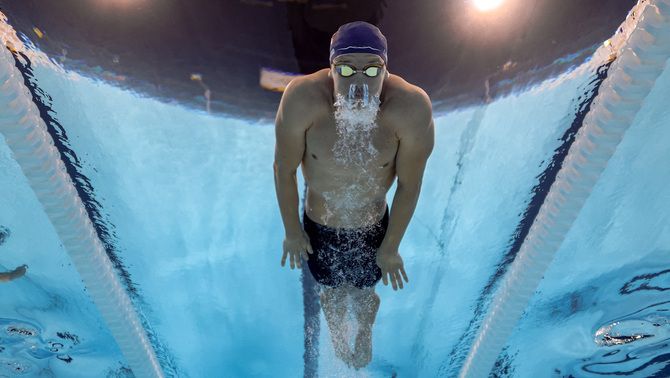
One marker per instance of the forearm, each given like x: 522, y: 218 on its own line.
x: 286, y: 187
x: 402, y: 209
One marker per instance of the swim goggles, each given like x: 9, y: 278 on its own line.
x: 346, y: 70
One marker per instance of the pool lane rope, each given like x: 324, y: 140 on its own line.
x: 33, y: 149
x: 641, y: 50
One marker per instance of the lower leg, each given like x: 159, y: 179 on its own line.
x: 366, y: 305
x: 333, y: 301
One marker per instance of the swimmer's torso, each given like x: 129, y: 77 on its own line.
x: 340, y: 194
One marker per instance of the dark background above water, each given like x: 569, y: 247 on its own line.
x: 444, y: 46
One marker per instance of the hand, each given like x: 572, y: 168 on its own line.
x: 391, y: 264
x: 296, y: 246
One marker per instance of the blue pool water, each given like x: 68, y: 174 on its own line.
x: 185, y: 203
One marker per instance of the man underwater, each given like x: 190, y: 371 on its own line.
x: 355, y: 128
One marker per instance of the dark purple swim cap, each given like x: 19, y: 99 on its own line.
x: 358, y: 37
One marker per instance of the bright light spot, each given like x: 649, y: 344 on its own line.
x: 487, y: 5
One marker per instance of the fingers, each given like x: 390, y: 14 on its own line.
x: 283, y: 258
x: 295, y: 258
x: 395, y: 277
x: 308, y: 244
x: 393, y: 280
x: 296, y: 262
x: 300, y: 256
x: 398, y: 279
x: 307, y: 249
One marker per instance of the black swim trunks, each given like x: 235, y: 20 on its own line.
x: 345, y: 255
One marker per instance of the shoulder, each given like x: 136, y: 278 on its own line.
x: 408, y: 97
x: 409, y: 107
x: 307, y: 87
x: 302, y: 100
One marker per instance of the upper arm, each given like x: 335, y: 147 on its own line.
x: 416, y: 135
x: 292, y: 121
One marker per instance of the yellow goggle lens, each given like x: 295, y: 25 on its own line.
x: 372, y: 71
x: 346, y: 71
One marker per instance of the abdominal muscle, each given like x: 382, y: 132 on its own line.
x: 346, y: 202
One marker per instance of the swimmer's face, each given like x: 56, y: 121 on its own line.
x: 358, y: 61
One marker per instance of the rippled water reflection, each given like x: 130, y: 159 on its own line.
x: 635, y: 344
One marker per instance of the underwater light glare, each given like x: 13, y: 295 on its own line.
x: 487, y: 5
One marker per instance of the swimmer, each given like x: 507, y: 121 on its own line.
x: 14, y: 274
x: 353, y: 128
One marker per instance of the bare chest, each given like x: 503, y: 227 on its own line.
x: 340, y: 149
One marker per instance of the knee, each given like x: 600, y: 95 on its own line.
x: 369, y: 298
